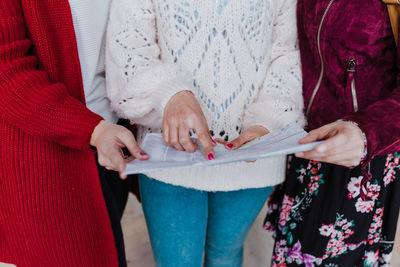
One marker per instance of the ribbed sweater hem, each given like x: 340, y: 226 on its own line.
x: 228, y: 177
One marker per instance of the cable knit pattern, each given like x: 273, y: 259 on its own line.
x: 240, y: 58
x: 52, y: 207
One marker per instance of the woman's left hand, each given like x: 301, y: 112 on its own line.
x: 343, y: 145
x: 249, y: 135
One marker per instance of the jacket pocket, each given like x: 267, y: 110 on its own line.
x: 351, y: 88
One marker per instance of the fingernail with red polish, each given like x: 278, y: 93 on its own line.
x: 211, y: 156
x: 143, y: 153
x: 213, y: 141
x: 229, y: 145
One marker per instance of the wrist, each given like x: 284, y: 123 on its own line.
x: 183, y: 92
x: 97, y: 132
x: 260, y: 128
x: 364, y: 138
x: 177, y: 95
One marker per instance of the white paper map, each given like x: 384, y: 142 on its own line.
x: 281, y: 142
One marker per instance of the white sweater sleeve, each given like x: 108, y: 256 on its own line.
x: 139, y: 82
x: 280, y: 100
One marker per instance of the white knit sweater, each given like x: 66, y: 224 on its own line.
x: 240, y: 59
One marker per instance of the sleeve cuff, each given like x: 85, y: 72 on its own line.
x: 365, y: 154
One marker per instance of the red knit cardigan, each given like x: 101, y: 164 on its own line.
x: 52, y: 210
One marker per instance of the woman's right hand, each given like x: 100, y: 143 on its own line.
x: 109, y: 139
x: 182, y: 114
x: 343, y: 144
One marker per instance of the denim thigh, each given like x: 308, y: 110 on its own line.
x: 176, y: 218
x: 182, y: 222
x: 230, y: 217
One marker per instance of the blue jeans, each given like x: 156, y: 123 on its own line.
x: 184, y: 223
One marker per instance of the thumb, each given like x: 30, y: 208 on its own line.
x: 117, y: 161
x: 316, y: 135
x: 129, y: 141
x: 244, y: 138
x: 121, y: 170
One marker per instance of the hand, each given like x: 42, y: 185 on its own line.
x: 250, y: 134
x: 182, y: 114
x: 109, y: 139
x: 343, y: 145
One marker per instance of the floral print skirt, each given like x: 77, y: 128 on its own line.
x: 327, y: 215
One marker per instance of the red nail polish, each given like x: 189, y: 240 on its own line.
x: 143, y: 153
x: 211, y: 156
x: 230, y: 145
x: 213, y: 141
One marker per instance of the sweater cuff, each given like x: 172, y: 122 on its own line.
x: 273, y: 123
x: 171, y: 88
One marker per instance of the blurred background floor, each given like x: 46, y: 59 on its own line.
x: 257, y: 252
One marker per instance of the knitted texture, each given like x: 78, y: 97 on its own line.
x: 52, y: 208
x: 240, y: 59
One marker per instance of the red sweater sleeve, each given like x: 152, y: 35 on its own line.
x: 28, y: 99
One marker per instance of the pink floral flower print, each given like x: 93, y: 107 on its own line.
x: 392, y: 163
x: 371, y: 259
x: 314, y: 170
x: 284, y: 254
x: 371, y: 191
x: 311, y: 170
x: 309, y: 260
x: 338, y: 232
x: 280, y: 252
x: 269, y: 227
x: 285, y: 211
x: 374, y: 232
x: 364, y: 206
x: 389, y: 177
x: 314, y: 184
x: 354, y: 186
x: 326, y: 230
x: 313, y: 187
x: 302, y: 172
x: 295, y: 253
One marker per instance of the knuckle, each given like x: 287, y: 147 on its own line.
x: 182, y: 113
x: 356, y: 162
x: 313, y: 133
x: 126, y: 134
x: 190, y: 149
x: 117, y: 162
x: 189, y: 118
x: 174, y: 142
x: 178, y: 147
x: 165, y: 138
x: 185, y: 142
x: 331, y: 150
x: 102, y: 162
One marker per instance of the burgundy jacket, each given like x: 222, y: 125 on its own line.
x: 349, y: 67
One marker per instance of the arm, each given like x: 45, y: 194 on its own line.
x: 139, y: 83
x: 280, y: 100
x: 344, y: 144
x: 371, y: 119
x: 28, y: 99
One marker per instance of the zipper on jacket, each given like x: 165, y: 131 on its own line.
x: 351, y: 82
x: 321, y: 75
